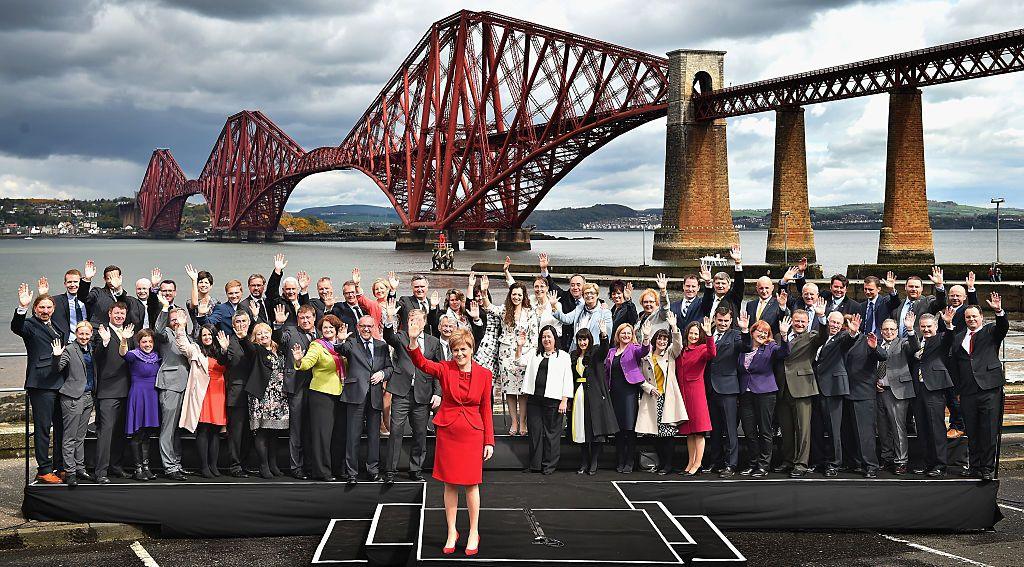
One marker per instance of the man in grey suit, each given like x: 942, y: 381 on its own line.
x: 296, y: 382
x: 798, y: 390
x: 895, y: 387
x: 861, y: 366
x: 833, y: 382
x: 171, y: 380
x: 369, y: 365
x: 76, y: 362
x: 980, y: 381
x: 931, y: 378
x: 722, y: 384
x: 413, y: 394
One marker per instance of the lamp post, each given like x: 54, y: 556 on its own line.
x: 785, y: 237
x: 643, y: 243
x: 998, y: 201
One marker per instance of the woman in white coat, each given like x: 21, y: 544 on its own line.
x: 547, y: 383
x: 661, y: 403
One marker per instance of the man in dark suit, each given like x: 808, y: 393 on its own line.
x: 833, y: 381
x: 916, y: 302
x: 296, y: 382
x: 235, y: 379
x: 687, y: 309
x: 798, y: 391
x: 284, y: 293
x: 567, y: 299
x: 165, y: 291
x: 350, y: 310
x: 257, y: 284
x: 68, y: 310
x: 766, y: 307
x: 931, y: 378
x: 42, y: 379
x: 98, y: 300
x: 112, y: 384
x: 980, y: 381
x: 805, y: 297
x: 142, y: 287
x: 413, y: 394
x: 839, y: 302
x: 723, y: 388
x: 876, y: 306
x: 222, y: 314
x: 861, y: 366
x: 369, y: 365
x: 959, y: 298
x: 723, y: 288
x: 418, y: 300
x: 895, y: 386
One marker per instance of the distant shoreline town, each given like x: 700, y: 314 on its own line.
x: 99, y: 218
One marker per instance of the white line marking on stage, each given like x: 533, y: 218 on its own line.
x: 721, y: 536
x: 144, y: 555
x: 1011, y: 508
x: 682, y: 530
x: 615, y: 483
x: 327, y: 534
x: 934, y: 551
x: 662, y: 536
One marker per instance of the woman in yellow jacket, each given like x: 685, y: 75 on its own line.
x: 328, y: 369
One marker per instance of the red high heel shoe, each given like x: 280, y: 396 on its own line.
x: 451, y: 550
x: 475, y: 550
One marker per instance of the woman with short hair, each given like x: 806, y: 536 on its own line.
x: 76, y: 363
x: 328, y: 368
x: 622, y: 366
x: 661, y: 404
x: 143, y: 407
x: 758, y: 389
x: 268, y: 406
x: 547, y: 384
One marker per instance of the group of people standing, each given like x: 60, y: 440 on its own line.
x: 831, y: 373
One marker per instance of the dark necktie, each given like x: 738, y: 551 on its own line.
x: 869, y: 318
x: 369, y: 352
x: 880, y: 372
x: 358, y: 312
x: 79, y: 316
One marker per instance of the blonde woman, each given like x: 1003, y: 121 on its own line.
x: 661, y: 403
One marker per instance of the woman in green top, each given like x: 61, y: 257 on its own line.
x: 328, y: 369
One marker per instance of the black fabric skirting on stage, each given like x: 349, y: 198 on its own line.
x: 877, y: 504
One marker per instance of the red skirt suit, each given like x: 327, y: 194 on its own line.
x: 690, y: 375
x: 463, y: 422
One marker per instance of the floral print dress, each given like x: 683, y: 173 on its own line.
x: 272, y: 411
x: 510, y: 374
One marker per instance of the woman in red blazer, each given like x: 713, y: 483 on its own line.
x: 465, y: 431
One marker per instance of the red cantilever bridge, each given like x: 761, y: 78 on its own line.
x: 488, y: 113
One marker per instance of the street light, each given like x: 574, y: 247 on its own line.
x: 785, y: 237
x: 998, y: 201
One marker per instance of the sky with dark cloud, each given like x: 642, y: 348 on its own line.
x: 88, y: 88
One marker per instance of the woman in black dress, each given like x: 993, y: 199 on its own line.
x: 592, y: 417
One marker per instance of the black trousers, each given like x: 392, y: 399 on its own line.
x: 864, y: 413
x: 930, y: 417
x: 110, y: 437
x: 545, y: 425
x: 298, y: 428
x: 356, y: 416
x: 981, y: 417
x: 324, y: 413
x: 724, y: 446
x: 405, y: 410
x: 831, y: 408
x: 239, y: 441
x: 46, y: 415
x: 848, y: 436
x: 757, y: 412
x: 956, y: 416
x: 664, y: 447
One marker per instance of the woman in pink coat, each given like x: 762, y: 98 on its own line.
x: 699, y: 350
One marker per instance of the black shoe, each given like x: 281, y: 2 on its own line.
x: 627, y: 469
x: 782, y: 468
x: 149, y: 474
x: 299, y: 475
x: 206, y: 473
x: 936, y: 472
x: 416, y: 476
x: 71, y: 480
x: 871, y: 473
x: 619, y: 468
x: 798, y: 471
x: 140, y: 475
x: 919, y: 470
x: 176, y: 475
x: 858, y: 470
x: 759, y: 473
x: 591, y: 472
x: 831, y: 472
x: 352, y: 481
x: 389, y: 478
x: 712, y: 469
x: 547, y: 472
x: 663, y: 472
x: 965, y: 472
x: 727, y: 472
x: 582, y: 469
x: 215, y: 471
x: 102, y: 480
x: 899, y: 470
x: 988, y: 476
x: 239, y: 474
x: 82, y: 475
x: 747, y: 471
x: 118, y: 473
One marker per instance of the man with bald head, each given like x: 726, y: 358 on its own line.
x: 959, y: 298
x: 369, y: 367
x: 806, y: 294
x: 833, y: 381
x: 766, y: 307
x: 142, y: 287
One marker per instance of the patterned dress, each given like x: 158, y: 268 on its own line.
x: 487, y: 351
x: 510, y: 374
x: 272, y: 411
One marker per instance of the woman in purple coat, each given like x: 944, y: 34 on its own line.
x: 622, y: 367
x: 758, y: 390
x: 143, y: 415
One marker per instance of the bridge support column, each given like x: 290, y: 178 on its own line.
x: 414, y: 239
x: 434, y: 236
x: 906, y: 235
x: 479, y: 240
x: 790, y: 236
x: 274, y: 236
x: 512, y: 240
x: 696, y: 219
x: 223, y: 236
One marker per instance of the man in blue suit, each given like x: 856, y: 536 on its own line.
x: 687, y: 309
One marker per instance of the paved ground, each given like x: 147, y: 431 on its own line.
x: 1003, y: 546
